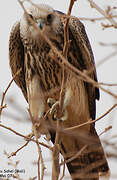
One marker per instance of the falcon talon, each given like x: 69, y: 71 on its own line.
x: 53, y: 112
x: 54, y: 107
x: 50, y: 102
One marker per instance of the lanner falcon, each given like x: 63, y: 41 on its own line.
x: 41, y: 78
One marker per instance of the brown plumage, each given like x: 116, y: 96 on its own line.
x: 41, y: 74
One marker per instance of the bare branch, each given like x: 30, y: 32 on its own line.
x: 63, y: 173
x: 106, y: 129
x: 56, y: 168
x: 107, y: 84
x: 75, y: 156
x: 101, y: 11
x: 91, y: 121
x: 14, y: 153
x: 4, y: 93
x: 96, y: 19
x: 27, y: 138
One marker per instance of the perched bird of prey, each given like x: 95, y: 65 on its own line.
x: 41, y: 78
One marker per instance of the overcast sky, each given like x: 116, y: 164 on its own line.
x: 10, y: 12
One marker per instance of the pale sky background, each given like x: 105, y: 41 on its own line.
x: 10, y: 12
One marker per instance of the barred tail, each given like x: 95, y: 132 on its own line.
x: 87, y: 160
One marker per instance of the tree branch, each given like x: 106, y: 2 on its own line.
x: 4, y: 93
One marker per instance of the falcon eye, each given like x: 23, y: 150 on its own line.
x: 49, y: 18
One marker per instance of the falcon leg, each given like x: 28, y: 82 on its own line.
x: 36, y: 102
x: 35, y: 98
x: 54, y: 105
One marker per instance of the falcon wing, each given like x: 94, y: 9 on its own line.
x: 77, y: 31
x: 16, y: 57
x: 80, y: 55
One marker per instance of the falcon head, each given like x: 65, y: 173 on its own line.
x: 46, y: 19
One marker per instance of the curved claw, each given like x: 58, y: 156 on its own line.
x: 53, y: 110
x: 50, y: 102
x: 54, y: 105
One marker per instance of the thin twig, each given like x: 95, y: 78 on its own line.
x: 63, y: 173
x: 25, y: 137
x: 15, y: 132
x: 91, y: 121
x: 4, y: 93
x: 105, y: 59
x: 55, y: 160
x: 96, y: 19
x: 56, y: 168
x: 39, y: 155
x: 65, y: 51
x: 106, y: 129
x: 40, y: 159
x: 107, y: 84
x: 75, y: 156
x: 102, y: 61
x: 108, y: 44
x: 14, y: 153
x: 2, y: 107
x: 14, y: 165
x: 101, y: 11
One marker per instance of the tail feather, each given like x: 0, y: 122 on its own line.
x: 89, y: 163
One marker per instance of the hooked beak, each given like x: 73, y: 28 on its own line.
x: 40, y: 23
